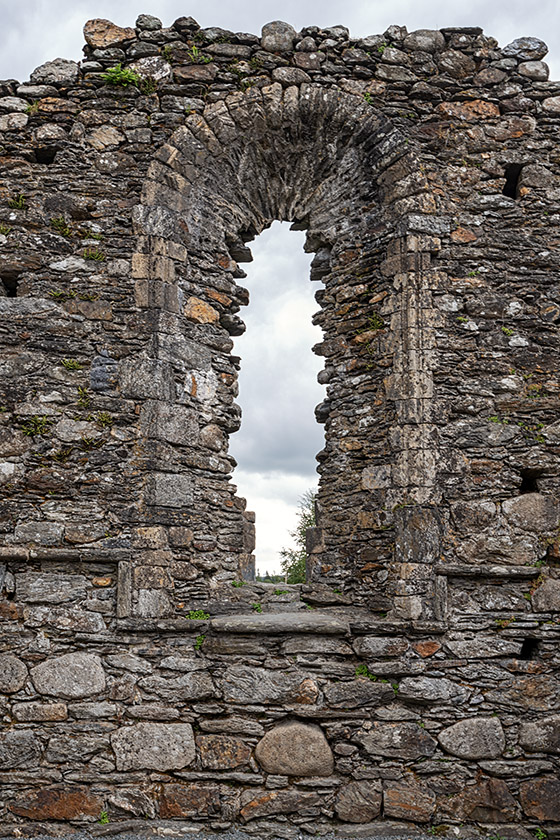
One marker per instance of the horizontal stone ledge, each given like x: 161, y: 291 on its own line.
x: 161, y: 625
x: 89, y: 555
x: 319, y: 623
x: 466, y: 570
x: 392, y: 627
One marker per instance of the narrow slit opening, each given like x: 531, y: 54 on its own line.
x: 511, y: 186
x: 529, y: 648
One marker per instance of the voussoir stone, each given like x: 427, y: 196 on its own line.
x: 474, y: 738
x: 101, y: 33
x: 61, y: 71
x: 526, y: 49
x: 278, y: 36
x: 154, y: 746
x: 13, y: 674
x: 70, y: 676
x: 359, y: 802
x: 295, y: 749
x: 542, y: 735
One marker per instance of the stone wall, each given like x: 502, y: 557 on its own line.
x: 143, y: 674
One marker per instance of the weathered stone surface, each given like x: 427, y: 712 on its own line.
x: 189, y: 801
x: 149, y: 22
x: 474, y: 738
x: 397, y: 740
x: 27, y: 712
x: 426, y: 40
x: 278, y: 36
x: 19, y: 749
x: 378, y: 647
x: 358, y: 802
x: 313, y: 622
x: 546, y: 597
x: 540, y: 798
x: 456, y: 64
x: 551, y: 105
x: 71, y: 676
x: 295, y: 749
x: 542, y: 735
x: 48, y: 588
x: 265, y: 803
x: 13, y: 122
x: 221, y: 752
x: 242, y: 684
x: 351, y: 695
x: 488, y: 801
x: 57, y: 72
x: 13, y: 673
x: 536, y: 70
x: 101, y: 33
x: 290, y: 76
x: 197, y: 685
x: 58, y: 803
x: 200, y: 311
x: 484, y: 647
x: 478, y: 109
x: 430, y: 689
x: 195, y: 73
x: 408, y: 802
x: 532, y: 512
x: 154, y: 746
x: 526, y: 49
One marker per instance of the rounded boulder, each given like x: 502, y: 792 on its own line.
x: 295, y: 749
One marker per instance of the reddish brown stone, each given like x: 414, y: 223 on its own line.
x: 52, y: 105
x: 540, y: 798
x: 489, y: 801
x: 463, y: 235
x: 189, y: 801
x: 100, y: 33
x: 409, y: 802
x: 473, y: 111
x: 200, y: 311
x: 425, y: 649
x: 58, y: 803
x: 220, y: 752
x: 264, y: 803
x: 195, y: 73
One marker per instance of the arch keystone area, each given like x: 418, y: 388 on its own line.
x: 423, y: 168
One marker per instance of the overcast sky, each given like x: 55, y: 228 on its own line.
x: 279, y: 437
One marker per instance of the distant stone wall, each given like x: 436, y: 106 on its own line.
x: 142, y: 673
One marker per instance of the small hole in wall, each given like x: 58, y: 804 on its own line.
x: 529, y: 649
x: 45, y: 154
x: 8, y: 285
x: 529, y: 482
x: 511, y: 186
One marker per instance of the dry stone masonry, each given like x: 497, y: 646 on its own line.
x: 143, y: 673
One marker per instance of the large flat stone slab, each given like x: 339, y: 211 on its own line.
x: 276, y: 623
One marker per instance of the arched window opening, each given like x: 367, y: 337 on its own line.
x: 278, y: 390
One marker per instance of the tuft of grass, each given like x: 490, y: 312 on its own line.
x: 257, y: 607
x: 5, y: 229
x: 71, y: 364
x: 17, y: 202
x: 103, y: 818
x: 507, y: 331
x: 198, y: 615
x: 363, y: 671
x: 59, y: 224
x: 84, y: 398
x: 94, y: 254
x: 104, y: 419
x: 120, y: 76
x: 36, y: 425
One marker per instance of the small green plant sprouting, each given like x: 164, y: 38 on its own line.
x: 257, y: 607
x: 199, y: 641
x: 540, y: 834
x: 36, y: 425
x: 507, y: 331
x: 71, y: 364
x: 502, y: 623
x: 103, y: 818
x: 238, y: 583
x: 17, y: 202
x: 89, y: 296
x: 104, y: 419
x: 375, y: 322
x: 94, y: 254
x: 395, y: 687
x: 363, y: 671
x: 196, y: 56
x: 368, y: 97
x: 166, y: 54
x: 91, y: 443
x: 474, y: 272
x: 84, y: 398
x: 382, y: 47
x: 59, y: 224
x: 255, y: 63
x: 121, y: 76
x: 97, y: 236
x: 198, y: 615
x: 5, y: 229
x: 32, y: 109
x: 281, y: 591
x: 462, y: 319
x: 62, y: 455
x: 149, y: 85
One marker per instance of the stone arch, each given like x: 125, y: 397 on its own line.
x: 331, y: 163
